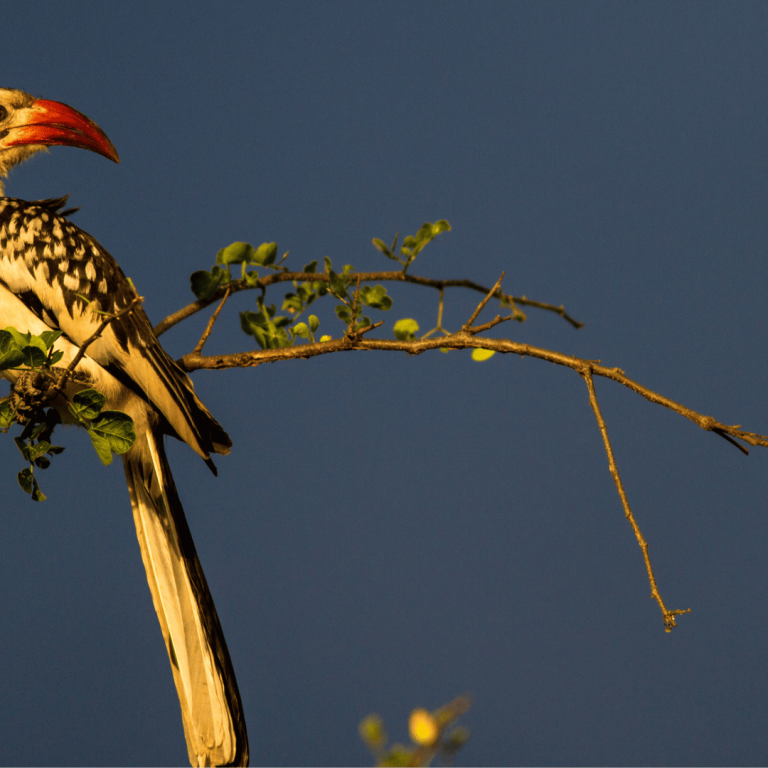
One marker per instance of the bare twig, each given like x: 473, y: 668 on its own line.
x: 353, y: 321
x: 496, y: 321
x: 669, y: 616
x: 439, y: 326
x: 372, y: 326
x: 208, y: 328
x: 87, y: 343
x: 236, y: 286
x: 468, y: 325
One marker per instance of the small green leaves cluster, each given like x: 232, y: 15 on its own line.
x: 34, y: 358
x: 205, y: 284
x: 110, y: 431
x: 27, y: 350
x: 269, y: 330
x: 273, y: 331
x: 353, y: 301
x: 35, y: 448
x: 433, y: 734
x: 412, y: 244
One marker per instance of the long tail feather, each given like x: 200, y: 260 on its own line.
x: 211, y: 709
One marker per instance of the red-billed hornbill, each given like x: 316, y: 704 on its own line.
x: 53, y: 276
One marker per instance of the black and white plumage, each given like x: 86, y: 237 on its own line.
x: 53, y: 276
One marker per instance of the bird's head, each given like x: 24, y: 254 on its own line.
x: 29, y: 125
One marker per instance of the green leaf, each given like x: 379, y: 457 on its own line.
x: 265, y: 254
x: 344, y: 313
x: 87, y: 404
x: 205, y: 284
x: 49, y: 337
x: 251, y: 322
x: 406, y: 329
x: 55, y: 357
x: 478, y: 355
x: 292, y: 303
x: 410, y: 242
x: 327, y: 264
x: 376, y: 297
x: 33, y: 349
x: 381, y: 246
x: 34, y: 357
x: 337, y: 284
x: 261, y: 337
x: 39, y: 449
x: 25, y: 478
x: 311, y: 267
x: 24, y: 339
x: 10, y: 354
x: 5, y: 413
x: 37, y: 430
x: 425, y: 233
x: 269, y: 333
x: 236, y: 253
x: 441, y: 226
x: 28, y: 482
x: 306, y: 294
x: 302, y: 329
x: 373, y: 732
x: 102, y: 447
x: 112, y: 432
x: 23, y: 447
x: 251, y: 278
x: 314, y: 323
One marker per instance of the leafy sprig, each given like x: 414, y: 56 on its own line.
x: 412, y: 245
x: 34, y: 358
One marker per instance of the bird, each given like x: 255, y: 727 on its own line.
x: 56, y: 277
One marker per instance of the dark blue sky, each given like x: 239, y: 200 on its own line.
x: 390, y: 532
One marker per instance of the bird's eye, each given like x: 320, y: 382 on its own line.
x: 3, y: 113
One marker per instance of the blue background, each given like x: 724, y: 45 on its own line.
x: 390, y: 532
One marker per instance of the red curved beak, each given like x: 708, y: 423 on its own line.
x: 50, y: 122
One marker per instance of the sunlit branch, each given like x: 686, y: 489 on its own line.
x: 235, y: 286
x: 669, y: 616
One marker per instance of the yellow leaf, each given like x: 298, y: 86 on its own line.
x: 478, y: 355
x: 325, y: 338
x: 372, y: 731
x: 423, y: 727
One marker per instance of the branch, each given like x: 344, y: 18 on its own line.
x: 497, y: 286
x: 235, y: 286
x: 208, y: 328
x: 463, y: 340
x: 669, y: 616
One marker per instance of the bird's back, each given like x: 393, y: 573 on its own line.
x: 63, y: 274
